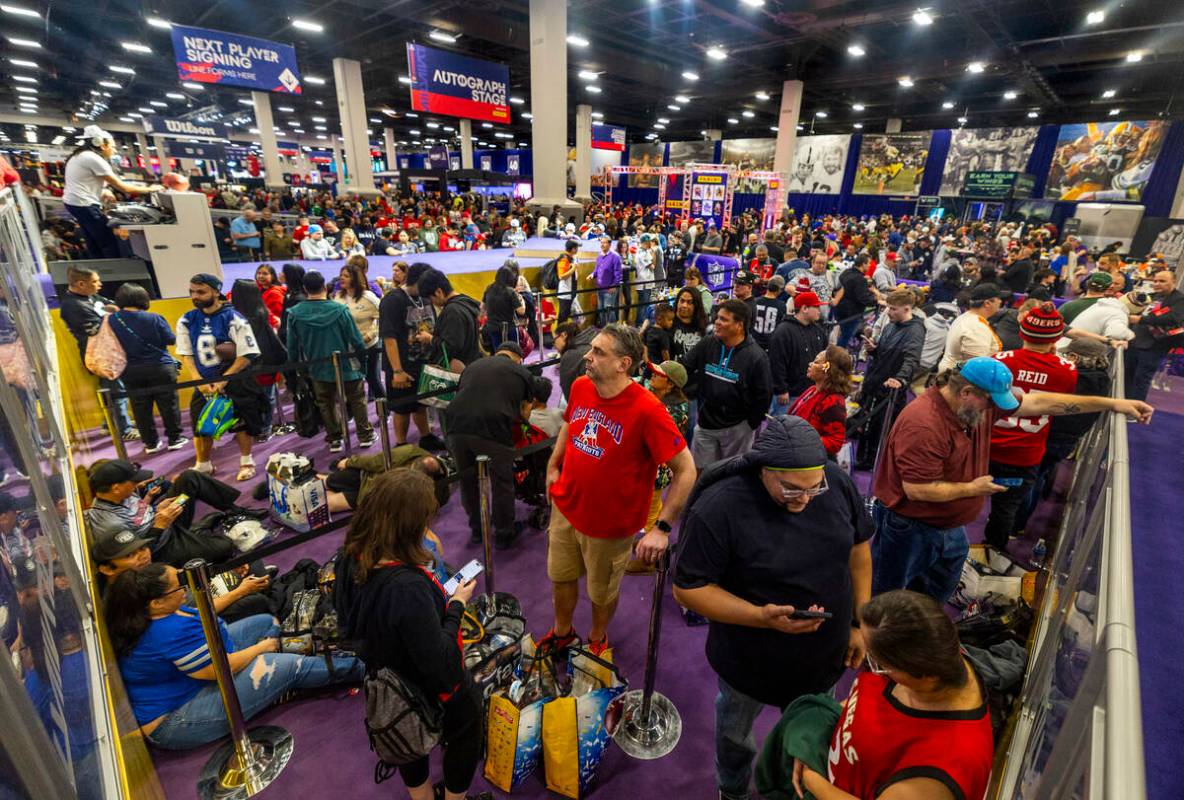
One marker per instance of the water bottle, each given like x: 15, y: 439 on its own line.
x: 1038, y: 554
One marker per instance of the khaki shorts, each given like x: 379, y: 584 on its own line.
x: 572, y: 554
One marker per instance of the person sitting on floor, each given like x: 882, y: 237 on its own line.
x: 348, y: 483
x: 129, y: 501
x: 167, y: 667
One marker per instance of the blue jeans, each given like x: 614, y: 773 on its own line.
x: 606, y: 305
x: 258, y: 685
x: 735, y: 746
x: 907, y: 554
x: 644, y: 309
x: 119, y: 408
x: 100, y: 240
x: 847, y: 329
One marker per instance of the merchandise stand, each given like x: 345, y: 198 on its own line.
x: 686, y: 172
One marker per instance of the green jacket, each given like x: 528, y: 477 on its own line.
x: 374, y: 465
x: 317, y: 328
x: 804, y: 731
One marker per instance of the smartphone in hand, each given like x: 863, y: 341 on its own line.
x: 467, y: 573
x: 805, y: 613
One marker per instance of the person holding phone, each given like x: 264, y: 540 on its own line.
x: 774, y: 552
x: 398, y: 615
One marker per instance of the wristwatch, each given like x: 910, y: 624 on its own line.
x: 663, y: 526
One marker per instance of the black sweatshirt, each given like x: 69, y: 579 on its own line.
x: 83, y: 315
x: 399, y: 619
x: 456, y: 331
x: 732, y: 384
x: 791, y: 350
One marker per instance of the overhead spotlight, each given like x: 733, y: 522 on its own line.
x: 158, y: 103
x: 528, y: 115
x: 947, y: 105
x: 519, y: 101
x: 243, y: 101
x: 588, y: 75
x: 108, y: 84
x: 486, y: 124
x: 197, y: 87
x: 595, y: 115
x: 858, y: 126
x: 19, y: 11
x: 29, y: 43
x: 664, y: 120
x: 753, y: 3
x: 593, y: 89
x: 857, y: 106
x: 762, y: 96
x: 404, y: 79
x: 976, y: 67
x: 157, y: 22
x: 308, y: 25
x: 733, y: 121
x: 674, y: 107
x: 1095, y: 17
x: 441, y: 36
x: 773, y: 128
x: 20, y: 62
x: 716, y: 53
x: 962, y: 120
x: 1010, y: 95
x: 1109, y: 93
x: 690, y: 76
x: 905, y: 81
x: 1114, y: 112
x: 856, y: 50
x: 122, y: 70
x: 922, y: 16
x: 1133, y: 57
x: 1033, y: 114
x: 136, y: 47
x: 575, y: 40
x: 24, y: 79
x: 314, y: 80
x: 175, y: 96
x: 659, y: 126
x: 821, y: 114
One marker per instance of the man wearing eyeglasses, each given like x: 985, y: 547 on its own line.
x: 934, y: 471
x: 770, y: 534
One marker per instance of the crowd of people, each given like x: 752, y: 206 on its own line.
x: 734, y: 412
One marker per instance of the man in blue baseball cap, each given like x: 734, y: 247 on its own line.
x: 933, y: 475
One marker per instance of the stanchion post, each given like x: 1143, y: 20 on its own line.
x: 342, y: 403
x: 107, y: 404
x: 251, y: 760
x: 384, y: 431
x: 484, y: 489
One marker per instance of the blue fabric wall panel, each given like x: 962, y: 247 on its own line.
x: 1161, y: 188
x: 939, y: 148
x: 1043, y: 150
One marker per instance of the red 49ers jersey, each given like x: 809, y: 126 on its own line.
x: 1020, y: 441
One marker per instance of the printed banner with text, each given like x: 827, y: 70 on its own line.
x: 608, y: 137
x: 459, y: 86
x: 205, y: 56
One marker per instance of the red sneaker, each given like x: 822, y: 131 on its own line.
x: 598, y: 647
x: 553, y: 643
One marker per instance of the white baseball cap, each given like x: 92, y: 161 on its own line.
x: 91, y: 132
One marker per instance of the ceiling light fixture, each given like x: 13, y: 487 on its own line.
x: 821, y: 114
x: 23, y: 79
x: 157, y: 22
x: 762, y: 96
x: 24, y: 43
x: 595, y: 115
x: 747, y: 114
x: 1010, y: 95
x: 404, y: 79
x: 962, y: 120
x: 1033, y: 114
x: 588, y: 75
x: 576, y: 40
x: 690, y: 76
x: 1095, y: 17
x: 733, y: 121
x: 158, y: 103
x: 753, y: 3
x: 20, y: 62
x: 528, y: 115
x: 286, y: 109
x: 681, y: 98
x: 1109, y: 93
x: 19, y: 11
x: 905, y: 81
x: 659, y: 126
x: 136, y: 47
x: 245, y: 102
x: 175, y: 96
x: 433, y: 125
x: 976, y: 67
x: 664, y: 120
x: 773, y: 128
x: 197, y: 87
x: 593, y: 89
x: 922, y: 17
x: 486, y: 124
x: 121, y: 70
x: 308, y: 25
x: 856, y: 50
x: 858, y: 126
x: 108, y: 84
x: 1133, y: 57
x: 146, y: 110
x: 716, y: 53
x: 857, y: 106
x: 319, y: 119
x: 314, y: 80
x: 1114, y: 112
x: 674, y: 107
x: 519, y: 101
x: 442, y: 36
x: 947, y: 105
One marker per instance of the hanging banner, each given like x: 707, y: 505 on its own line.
x: 454, y: 162
x: 156, y: 125
x: 513, y: 164
x: 608, y: 137
x: 486, y: 163
x: 892, y: 163
x: 682, y: 153
x: 205, y: 56
x: 819, y: 163
x: 708, y: 192
x: 1105, y: 160
x: 751, y: 154
x: 456, y: 85
x: 204, y: 150
x: 985, y: 150
x: 438, y: 157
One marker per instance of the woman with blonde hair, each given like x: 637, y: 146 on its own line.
x: 354, y: 293
x: 349, y: 244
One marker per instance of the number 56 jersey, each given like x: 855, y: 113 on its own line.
x: 1020, y: 441
x: 199, y: 334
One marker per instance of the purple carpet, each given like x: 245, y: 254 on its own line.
x: 329, y: 729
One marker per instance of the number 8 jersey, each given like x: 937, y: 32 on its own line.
x: 1021, y: 441
x: 199, y: 334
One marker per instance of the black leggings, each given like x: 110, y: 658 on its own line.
x: 463, y: 741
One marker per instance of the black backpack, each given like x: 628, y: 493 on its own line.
x: 549, y: 274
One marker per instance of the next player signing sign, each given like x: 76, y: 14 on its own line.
x: 206, y: 56
x: 459, y: 86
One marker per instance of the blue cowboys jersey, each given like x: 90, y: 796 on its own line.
x: 198, y: 334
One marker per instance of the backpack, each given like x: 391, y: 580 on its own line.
x: 403, y: 724
x: 549, y: 274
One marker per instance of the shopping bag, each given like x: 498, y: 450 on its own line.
x: 514, y: 721
x: 433, y: 378
x: 217, y: 417
x: 299, y: 499
x: 105, y: 356
x: 574, y: 731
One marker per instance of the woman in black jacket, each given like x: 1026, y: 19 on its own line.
x: 398, y: 616
x: 503, y: 305
x: 294, y: 280
x: 248, y: 301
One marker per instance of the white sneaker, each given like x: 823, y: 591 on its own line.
x: 336, y: 447
x: 178, y: 444
x: 368, y: 441
x: 156, y: 448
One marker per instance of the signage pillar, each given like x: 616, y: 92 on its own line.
x: 351, y: 107
x: 548, y: 103
x: 583, y: 152
x: 714, y: 134
x: 787, y: 129
x: 388, y: 139
x: 466, y: 144
x: 273, y: 172
x: 893, y: 125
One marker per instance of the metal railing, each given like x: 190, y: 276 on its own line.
x: 1080, y: 728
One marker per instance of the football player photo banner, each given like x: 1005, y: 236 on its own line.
x: 749, y: 154
x: 682, y: 153
x: 1105, y: 161
x: 892, y: 163
x: 985, y: 150
x: 819, y: 163
x: 645, y: 155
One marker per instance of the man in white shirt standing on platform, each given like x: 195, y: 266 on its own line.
x: 970, y: 334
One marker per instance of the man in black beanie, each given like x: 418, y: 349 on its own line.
x: 767, y: 535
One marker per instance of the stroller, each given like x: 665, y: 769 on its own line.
x: 530, y: 473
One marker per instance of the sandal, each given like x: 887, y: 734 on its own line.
x: 245, y: 472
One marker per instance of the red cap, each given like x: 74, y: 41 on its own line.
x: 806, y: 300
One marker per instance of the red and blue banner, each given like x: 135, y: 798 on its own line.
x: 205, y: 56
x: 458, y: 86
x: 608, y: 137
